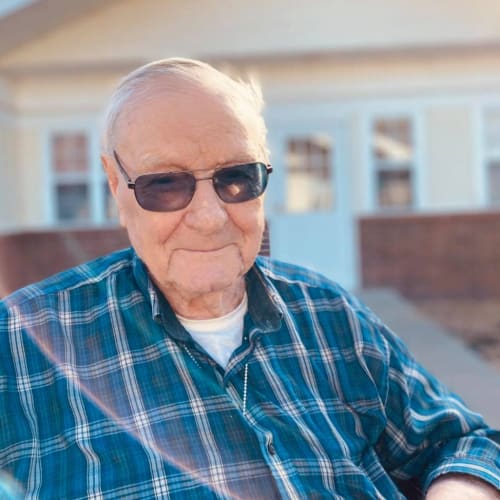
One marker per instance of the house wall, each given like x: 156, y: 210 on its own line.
x: 63, y: 92
x: 29, y: 153
x: 8, y: 161
x: 8, y: 200
x: 444, y: 103
x: 351, y: 59
x: 450, y: 158
x: 350, y: 87
x: 46, y: 104
x: 214, y: 28
x: 438, y: 255
x: 384, y: 75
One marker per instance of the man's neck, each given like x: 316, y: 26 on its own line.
x: 207, y: 305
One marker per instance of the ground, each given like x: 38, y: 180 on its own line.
x: 476, y: 322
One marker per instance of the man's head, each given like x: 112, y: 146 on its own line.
x: 184, y: 116
x: 178, y: 72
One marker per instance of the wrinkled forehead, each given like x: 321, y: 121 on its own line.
x: 174, y: 108
x: 209, y: 85
x: 180, y: 102
x: 187, y: 125
x: 172, y: 90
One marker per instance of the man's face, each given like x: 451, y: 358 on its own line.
x: 209, y: 245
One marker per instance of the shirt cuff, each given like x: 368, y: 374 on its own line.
x: 473, y: 466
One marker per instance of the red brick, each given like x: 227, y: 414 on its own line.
x: 432, y: 255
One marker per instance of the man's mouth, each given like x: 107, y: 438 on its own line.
x: 206, y: 250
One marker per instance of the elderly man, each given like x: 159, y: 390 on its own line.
x: 188, y: 367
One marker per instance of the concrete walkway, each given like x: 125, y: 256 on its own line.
x: 460, y: 368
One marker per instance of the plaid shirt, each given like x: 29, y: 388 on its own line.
x: 103, y: 394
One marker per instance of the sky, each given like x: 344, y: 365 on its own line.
x: 7, y: 6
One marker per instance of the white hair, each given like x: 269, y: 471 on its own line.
x: 245, y: 96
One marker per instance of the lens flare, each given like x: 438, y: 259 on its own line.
x: 11, y: 490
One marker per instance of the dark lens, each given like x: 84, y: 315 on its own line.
x: 241, y: 183
x: 164, y: 192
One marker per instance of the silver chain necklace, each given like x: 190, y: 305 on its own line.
x: 245, y: 378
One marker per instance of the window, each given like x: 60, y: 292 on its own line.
x: 80, y: 193
x: 492, y: 154
x: 309, y: 174
x: 71, y: 166
x: 392, y: 156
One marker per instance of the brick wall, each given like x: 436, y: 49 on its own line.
x: 31, y: 256
x: 432, y: 255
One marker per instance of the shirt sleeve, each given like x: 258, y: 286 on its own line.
x: 429, y: 430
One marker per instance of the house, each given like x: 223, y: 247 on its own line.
x: 383, y: 116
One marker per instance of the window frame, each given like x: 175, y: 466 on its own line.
x: 415, y: 118
x: 486, y: 155
x: 290, y: 171
x: 94, y: 178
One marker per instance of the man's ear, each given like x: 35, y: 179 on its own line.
x: 113, y: 179
x: 111, y: 173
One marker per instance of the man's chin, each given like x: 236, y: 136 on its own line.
x: 198, y: 285
x: 206, y: 272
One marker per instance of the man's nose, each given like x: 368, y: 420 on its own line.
x: 206, y: 212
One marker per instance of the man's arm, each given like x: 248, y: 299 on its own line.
x: 461, y: 487
x: 430, y: 434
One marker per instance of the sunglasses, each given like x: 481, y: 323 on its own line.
x: 170, y: 191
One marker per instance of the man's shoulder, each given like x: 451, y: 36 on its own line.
x: 295, y: 275
x: 297, y: 283
x: 91, y: 273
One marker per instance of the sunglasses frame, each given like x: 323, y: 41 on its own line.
x: 131, y: 184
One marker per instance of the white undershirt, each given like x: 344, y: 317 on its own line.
x: 218, y: 336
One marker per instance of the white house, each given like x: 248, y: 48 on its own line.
x: 373, y: 107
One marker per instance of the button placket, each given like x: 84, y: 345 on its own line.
x: 270, y: 448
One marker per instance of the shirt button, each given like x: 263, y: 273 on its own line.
x: 271, y: 449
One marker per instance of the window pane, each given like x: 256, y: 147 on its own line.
x: 394, y: 188
x: 73, y: 202
x: 70, y: 152
x: 392, y: 152
x: 392, y: 140
x: 309, y: 168
x: 494, y: 181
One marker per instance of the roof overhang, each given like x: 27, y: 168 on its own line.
x: 39, y: 17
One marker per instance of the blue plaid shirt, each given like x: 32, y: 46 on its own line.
x: 103, y: 394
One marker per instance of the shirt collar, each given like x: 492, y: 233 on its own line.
x: 262, y: 301
x: 161, y: 311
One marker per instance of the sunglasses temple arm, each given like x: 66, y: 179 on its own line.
x: 130, y: 182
